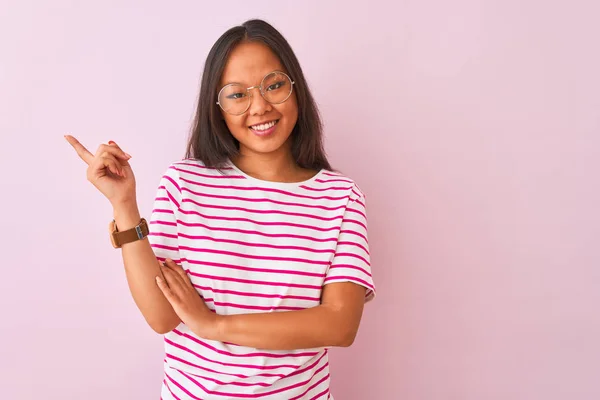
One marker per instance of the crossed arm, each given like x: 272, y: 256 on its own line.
x: 332, y: 323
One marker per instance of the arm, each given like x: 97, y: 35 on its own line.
x: 141, y: 268
x: 333, y: 323
x: 109, y: 171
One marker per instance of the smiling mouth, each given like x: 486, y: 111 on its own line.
x: 264, y: 127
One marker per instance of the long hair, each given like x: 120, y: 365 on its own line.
x: 210, y: 140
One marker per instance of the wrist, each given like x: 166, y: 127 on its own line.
x: 210, y: 328
x: 126, y: 215
x: 220, y: 326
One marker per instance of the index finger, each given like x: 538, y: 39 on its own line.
x: 82, y: 152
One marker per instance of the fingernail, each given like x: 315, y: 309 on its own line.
x: 158, y: 279
x: 128, y: 155
x: 111, y: 142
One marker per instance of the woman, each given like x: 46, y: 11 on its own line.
x: 263, y: 260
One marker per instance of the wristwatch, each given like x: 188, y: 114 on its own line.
x: 118, y: 239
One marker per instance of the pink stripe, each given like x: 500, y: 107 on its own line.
x: 350, y: 232
x: 263, y: 223
x: 356, y: 193
x: 172, y: 181
x: 348, y: 266
x: 252, y: 269
x: 311, y: 366
x: 251, y: 366
x: 312, y: 387
x: 261, y: 200
x: 245, y: 231
x: 351, y: 279
x: 248, y: 307
x: 353, y: 255
x: 253, y: 188
x: 333, y: 180
x: 250, y: 210
x: 332, y: 174
x: 255, y: 257
x: 249, y: 294
x: 200, y: 166
x: 324, y: 189
x: 209, y: 176
x: 187, y: 392
x: 239, y: 267
x: 181, y: 360
x: 169, y: 389
x: 354, y: 221
x: 361, y: 203
x: 173, y: 199
x: 251, y: 244
x: 191, y: 364
x: 357, y: 211
x: 163, y: 210
x: 169, y: 248
x: 353, y: 244
x: 171, y: 236
x: 224, y: 278
x: 255, y: 354
x: 163, y: 223
x: 318, y: 396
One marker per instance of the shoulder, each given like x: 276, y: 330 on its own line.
x: 336, y: 178
x: 192, y: 172
x: 189, y: 167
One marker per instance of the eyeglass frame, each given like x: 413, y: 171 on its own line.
x: 248, y: 91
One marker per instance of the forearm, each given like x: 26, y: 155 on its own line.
x: 141, y: 269
x: 319, y: 326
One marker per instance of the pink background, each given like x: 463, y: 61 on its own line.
x: 473, y: 127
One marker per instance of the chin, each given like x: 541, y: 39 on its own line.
x: 264, y: 148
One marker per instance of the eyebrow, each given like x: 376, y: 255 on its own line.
x: 244, y: 84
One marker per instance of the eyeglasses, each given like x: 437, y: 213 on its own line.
x: 276, y: 87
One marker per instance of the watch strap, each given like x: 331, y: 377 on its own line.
x: 138, y: 232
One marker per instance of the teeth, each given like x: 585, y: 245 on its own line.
x: 263, y: 127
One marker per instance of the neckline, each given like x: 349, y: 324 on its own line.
x: 287, y: 185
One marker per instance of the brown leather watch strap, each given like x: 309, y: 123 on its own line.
x: 138, y: 232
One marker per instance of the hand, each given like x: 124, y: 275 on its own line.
x: 108, y: 170
x: 186, y: 301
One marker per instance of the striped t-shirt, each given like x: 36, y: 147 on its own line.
x: 253, y: 246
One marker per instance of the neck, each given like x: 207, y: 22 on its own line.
x: 278, y: 166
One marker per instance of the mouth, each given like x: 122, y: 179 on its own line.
x: 264, y: 129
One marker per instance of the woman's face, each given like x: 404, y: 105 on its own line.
x: 248, y: 64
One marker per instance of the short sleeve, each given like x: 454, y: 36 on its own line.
x: 163, y: 235
x: 351, y: 262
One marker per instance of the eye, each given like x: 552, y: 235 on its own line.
x: 236, y: 96
x: 275, y: 86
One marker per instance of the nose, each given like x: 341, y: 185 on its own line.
x: 258, y: 104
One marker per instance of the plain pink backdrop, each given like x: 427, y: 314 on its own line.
x: 473, y: 127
